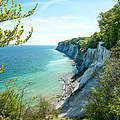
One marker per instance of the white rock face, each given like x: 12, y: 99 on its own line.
x: 93, y: 60
x: 73, y: 51
x: 70, y: 50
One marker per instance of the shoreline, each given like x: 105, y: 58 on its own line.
x: 67, y: 85
x: 66, y: 81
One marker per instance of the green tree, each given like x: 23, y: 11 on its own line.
x: 11, y: 102
x: 12, y: 12
x: 109, y: 23
x: 9, y: 10
x: 115, y: 51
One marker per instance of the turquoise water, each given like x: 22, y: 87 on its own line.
x: 42, y: 65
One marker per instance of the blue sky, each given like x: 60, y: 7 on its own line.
x: 58, y: 20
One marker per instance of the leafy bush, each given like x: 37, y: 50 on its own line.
x: 41, y: 111
x: 94, y: 39
x: 84, y: 43
x: 115, y: 52
x: 13, y: 105
x: 9, y: 105
x: 105, y: 100
x: 109, y: 24
x: 11, y: 101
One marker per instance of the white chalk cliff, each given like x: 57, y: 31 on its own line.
x: 90, y: 64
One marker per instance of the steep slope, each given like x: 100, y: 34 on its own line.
x: 90, y: 63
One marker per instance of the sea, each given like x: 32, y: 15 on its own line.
x: 42, y: 66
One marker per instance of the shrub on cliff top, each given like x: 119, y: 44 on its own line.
x: 84, y: 42
x: 94, y: 39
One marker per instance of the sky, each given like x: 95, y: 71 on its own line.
x: 59, y: 20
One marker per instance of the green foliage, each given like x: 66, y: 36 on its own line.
x: 74, y: 40
x: 84, y: 43
x: 11, y: 102
x: 115, y: 51
x: 14, y: 105
x: 105, y: 99
x: 41, y: 111
x: 11, y: 12
x: 9, y: 105
x: 109, y: 24
x: 94, y: 39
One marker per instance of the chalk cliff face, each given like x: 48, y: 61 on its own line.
x: 90, y: 64
x: 69, y: 49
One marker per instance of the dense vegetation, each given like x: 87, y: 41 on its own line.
x: 9, y: 10
x: 105, y: 100
x: 84, y: 42
x: 109, y: 24
x: 14, y: 106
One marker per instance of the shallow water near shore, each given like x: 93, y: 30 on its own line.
x: 42, y: 65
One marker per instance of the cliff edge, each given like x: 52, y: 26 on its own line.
x: 89, y: 63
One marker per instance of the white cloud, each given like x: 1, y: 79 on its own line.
x: 51, y: 30
x: 54, y: 29
x: 41, y: 20
x: 78, y: 26
x: 26, y: 21
x: 59, y: 23
x: 45, y: 5
x: 53, y: 38
x: 71, y: 17
x: 53, y: 19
